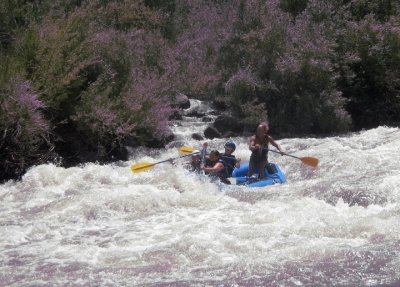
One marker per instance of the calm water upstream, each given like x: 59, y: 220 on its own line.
x: 102, y: 225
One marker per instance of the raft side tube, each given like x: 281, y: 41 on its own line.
x: 273, y: 175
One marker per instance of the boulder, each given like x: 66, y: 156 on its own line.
x: 226, y: 124
x: 195, y: 114
x: 211, y: 132
x: 160, y: 143
x: 197, y: 137
x: 206, y: 119
x: 183, y: 101
x: 230, y: 134
x: 219, y: 104
x: 176, y: 115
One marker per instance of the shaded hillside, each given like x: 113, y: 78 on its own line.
x: 81, y: 79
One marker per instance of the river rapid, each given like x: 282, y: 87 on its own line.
x: 102, y: 225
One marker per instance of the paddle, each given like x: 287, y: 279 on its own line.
x: 311, y: 161
x: 308, y: 160
x: 203, y: 156
x: 189, y: 149
x: 186, y: 150
x: 145, y: 166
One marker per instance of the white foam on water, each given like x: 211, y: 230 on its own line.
x: 98, y: 225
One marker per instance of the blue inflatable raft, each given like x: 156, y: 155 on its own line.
x: 273, y: 175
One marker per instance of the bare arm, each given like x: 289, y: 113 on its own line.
x: 216, y: 168
x: 275, y: 144
x: 252, y: 144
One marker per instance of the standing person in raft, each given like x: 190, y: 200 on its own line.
x: 258, y: 146
x: 228, y: 158
x: 215, y: 166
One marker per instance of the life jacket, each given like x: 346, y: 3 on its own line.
x: 222, y: 174
x: 230, y: 161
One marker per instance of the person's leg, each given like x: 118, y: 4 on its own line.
x: 261, y: 168
x: 252, y: 167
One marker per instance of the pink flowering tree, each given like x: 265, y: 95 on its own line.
x: 369, y: 65
x: 103, y: 84
x: 107, y: 73
x: 26, y: 135
x: 305, y: 76
x: 283, y: 66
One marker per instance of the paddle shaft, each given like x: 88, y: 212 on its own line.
x: 267, y: 149
x: 308, y: 160
x: 311, y: 161
x: 182, y: 156
x: 186, y: 149
x: 144, y: 166
x: 275, y: 151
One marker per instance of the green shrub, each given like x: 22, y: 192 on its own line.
x: 241, y: 90
x: 369, y: 67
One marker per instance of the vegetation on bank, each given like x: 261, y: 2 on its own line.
x: 80, y: 79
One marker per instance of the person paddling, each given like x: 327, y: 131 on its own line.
x: 194, y: 162
x: 229, y: 159
x: 258, y: 146
x: 215, y: 166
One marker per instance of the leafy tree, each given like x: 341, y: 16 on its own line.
x: 369, y: 69
x: 294, y: 7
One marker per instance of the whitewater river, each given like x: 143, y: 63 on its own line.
x: 102, y: 225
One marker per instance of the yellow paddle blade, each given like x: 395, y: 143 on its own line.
x: 186, y: 150
x: 139, y: 167
x: 312, y: 161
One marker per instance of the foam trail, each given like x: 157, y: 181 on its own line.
x: 102, y: 225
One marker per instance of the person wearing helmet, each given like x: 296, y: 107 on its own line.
x: 258, y: 146
x: 193, y: 164
x: 197, y: 161
x: 229, y: 159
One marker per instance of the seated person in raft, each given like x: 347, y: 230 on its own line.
x: 216, y: 167
x: 194, y: 163
x: 229, y: 159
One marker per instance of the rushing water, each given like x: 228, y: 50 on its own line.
x: 102, y: 225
